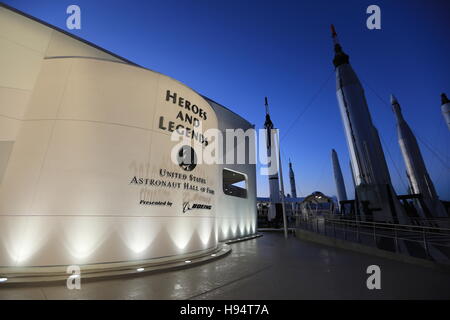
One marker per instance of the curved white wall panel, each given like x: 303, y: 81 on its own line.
x: 240, y: 217
x: 73, y: 177
x: 86, y: 174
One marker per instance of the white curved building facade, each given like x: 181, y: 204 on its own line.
x: 86, y: 175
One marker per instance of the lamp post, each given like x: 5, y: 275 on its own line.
x: 283, y: 204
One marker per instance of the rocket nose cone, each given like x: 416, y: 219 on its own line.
x: 393, y: 99
x: 333, y: 31
x: 333, y: 155
x: 444, y: 98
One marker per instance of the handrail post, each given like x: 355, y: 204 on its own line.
x: 357, y: 231
x: 425, y: 244
x: 334, y: 229
x: 345, y: 230
x: 396, y: 239
x: 317, y: 225
x: 374, y: 234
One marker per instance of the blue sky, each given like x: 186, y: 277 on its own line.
x: 238, y: 51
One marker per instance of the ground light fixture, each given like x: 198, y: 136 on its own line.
x: 188, y: 261
x: 3, y: 280
x: 140, y: 269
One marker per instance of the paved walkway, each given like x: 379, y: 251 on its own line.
x: 265, y: 268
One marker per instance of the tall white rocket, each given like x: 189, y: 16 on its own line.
x: 445, y: 108
x: 338, y: 178
x: 353, y: 175
x: 419, y: 180
x: 292, y: 180
x: 274, y: 183
x: 376, y: 195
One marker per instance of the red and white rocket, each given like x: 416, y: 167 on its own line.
x: 274, y: 183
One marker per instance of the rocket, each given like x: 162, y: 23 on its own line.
x: 445, y: 108
x: 338, y: 178
x: 292, y: 180
x: 353, y: 175
x: 274, y: 184
x: 418, y: 178
x: 374, y: 190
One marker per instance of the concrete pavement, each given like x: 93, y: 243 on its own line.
x: 269, y: 267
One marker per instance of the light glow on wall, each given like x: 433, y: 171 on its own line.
x: 83, y: 236
x: 181, y: 231
x: 234, y: 226
x: 224, y: 228
x: 139, y: 233
x: 205, y: 231
x: 23, y: 237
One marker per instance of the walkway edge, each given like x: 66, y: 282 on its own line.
x: 250, y: 237
x: 356, y: 247
x: 45, y: 275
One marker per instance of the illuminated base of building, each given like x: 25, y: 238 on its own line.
x: 16, y: 275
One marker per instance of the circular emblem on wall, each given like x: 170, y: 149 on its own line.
x: 187, y: 158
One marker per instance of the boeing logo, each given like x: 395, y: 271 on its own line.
x: 187, y: 207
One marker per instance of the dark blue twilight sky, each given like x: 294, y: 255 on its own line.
x: 238, y: 51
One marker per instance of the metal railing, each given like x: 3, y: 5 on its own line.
x: 431, y: 243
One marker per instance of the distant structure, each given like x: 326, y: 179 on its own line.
x: 419, y: 180
x: 317, y: 204
x: 374, y: 191
x: 445, y: 107
x: 273, y: 178
x: 292, y: 180
x: 338, y: 178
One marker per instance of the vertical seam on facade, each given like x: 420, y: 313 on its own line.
x: 50, y: 137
